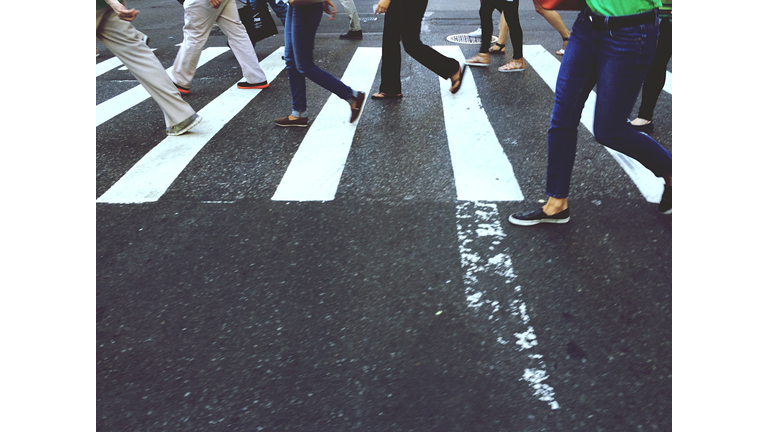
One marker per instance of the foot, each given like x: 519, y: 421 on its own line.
x: 457, y: 78
x: 642, y: 125
x: 184, y: 126
x: 352, y: 35
x: 561, y: 51
x: 247, y: 85
x: 481, y: 59
x: 515, y: 65
x: 292, y: 121
x: 476, y: 33
x: 538, y: 216
x: 498, y: 48
x: 382, y: 95
x: 357, y: 106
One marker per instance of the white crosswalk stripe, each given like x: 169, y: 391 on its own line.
x: 148, y: 180
x: 107, y: 65
x: 316, y: 168
x: 126, y: 100
x: 547, y: 67
x: 481, y: 169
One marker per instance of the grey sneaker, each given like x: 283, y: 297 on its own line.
x: 184, y: 126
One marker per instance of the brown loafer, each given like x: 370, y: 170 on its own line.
x: 356, y: 106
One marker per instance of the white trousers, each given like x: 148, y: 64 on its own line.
x: 354, y: 20
x: 199, y: 17
x: 127, y: 44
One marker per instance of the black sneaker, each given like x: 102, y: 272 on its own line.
x: 538, y: 216
x: 665, y: 206
x: 288, y: 122
x: 247, y: 85
x: 352, y: 35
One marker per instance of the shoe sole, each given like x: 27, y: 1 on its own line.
x: 292, y: 125
x: 194, y: 123
x: 254, y: 88
x: 479, y: 64
x: 536, y: 222
x: 511, y: 70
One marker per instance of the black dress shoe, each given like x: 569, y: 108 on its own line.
x: 352, y: 35
x: 665, y: 206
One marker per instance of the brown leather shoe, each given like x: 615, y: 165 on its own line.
x: 289, y: 122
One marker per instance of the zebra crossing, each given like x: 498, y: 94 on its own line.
x: 482, y: 171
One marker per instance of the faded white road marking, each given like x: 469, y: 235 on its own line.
x: 487, y: 265
x: 315, y: 170
x: 128, y: 99
x: 148, y: 180
x: 481, y: 169
x: 547, y: 66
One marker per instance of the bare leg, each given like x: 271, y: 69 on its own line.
x: 554, y: 19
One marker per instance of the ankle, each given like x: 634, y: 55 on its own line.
x: 555, y: 206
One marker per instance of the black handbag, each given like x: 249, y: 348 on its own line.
x: 257, y: 20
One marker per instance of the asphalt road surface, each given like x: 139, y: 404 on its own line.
x: 364, y: 277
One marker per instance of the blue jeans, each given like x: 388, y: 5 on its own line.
x: 300, y: 27
x: 617, y: 62
x: 280, y: 10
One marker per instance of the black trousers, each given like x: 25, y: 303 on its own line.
x: 402, y: 23
x: 511, y: 15
x: 657, y: 74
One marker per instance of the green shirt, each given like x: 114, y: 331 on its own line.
x: 666, y: 9
x: 622, y: 7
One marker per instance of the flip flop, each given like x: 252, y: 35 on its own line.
x: 461, y: 78
x: 561, y: 51
x: 382, y: 95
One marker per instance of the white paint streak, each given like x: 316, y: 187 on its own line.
x: 547, y: 66
x: 479, y: 233
x: 316, y: 168
x: 481, y: 168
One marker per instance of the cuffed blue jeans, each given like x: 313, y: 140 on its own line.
x: 300, y: 27
x: 617, y: 62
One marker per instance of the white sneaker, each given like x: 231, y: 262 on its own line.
x: 476, y: 33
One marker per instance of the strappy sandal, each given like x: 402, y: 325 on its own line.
x: 382, y: 95
x: 514, y: 65
x: 497, y: 48
x: 561, y: 51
